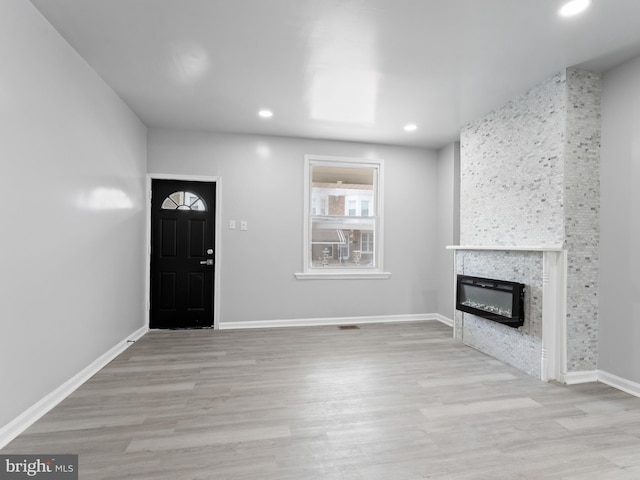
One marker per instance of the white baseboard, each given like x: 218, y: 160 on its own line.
x: 620, y: 383
x: 446, y: 320
x: 627, y: 386
x: 309, y: 322
x: 31, y: 415
x: 574, y: 378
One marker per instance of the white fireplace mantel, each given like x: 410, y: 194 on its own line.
x: 534, y: 248
x: 554, y: 293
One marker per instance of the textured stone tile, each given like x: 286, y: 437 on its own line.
x: 530, y: 176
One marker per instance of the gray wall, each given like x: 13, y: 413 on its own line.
x: 448, y: 223
x: 72, y: 179
x: 619, y: 339
x: 262, y: 183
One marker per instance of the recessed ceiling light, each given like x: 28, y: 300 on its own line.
x: 265, y: 113
x: 573, y: 7
x: 410, y: 127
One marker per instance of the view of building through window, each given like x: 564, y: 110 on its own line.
x: 343, y: 216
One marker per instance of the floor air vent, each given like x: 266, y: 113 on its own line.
x: 349, y: 327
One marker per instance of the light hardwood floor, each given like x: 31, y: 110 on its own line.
x: 383, y: 402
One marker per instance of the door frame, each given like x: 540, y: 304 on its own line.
x: 217, y: 236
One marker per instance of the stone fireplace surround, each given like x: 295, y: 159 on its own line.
x: 538, y: 347
x: 529, y: 213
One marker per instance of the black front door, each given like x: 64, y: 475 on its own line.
x: 182, y: 253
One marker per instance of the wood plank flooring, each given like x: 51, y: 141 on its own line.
x: 382, y: 402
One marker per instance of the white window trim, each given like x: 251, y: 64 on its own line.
x: 309, y: 273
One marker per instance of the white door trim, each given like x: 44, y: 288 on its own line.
x: 217, y: 242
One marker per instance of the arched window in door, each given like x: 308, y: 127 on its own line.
x: 184, y: 201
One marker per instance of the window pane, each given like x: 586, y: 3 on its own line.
x: 364, y: 208
x: 198, y: 205
x: 337, y: 242
x: 366, y: 242
x: 169, y: 204
x: 341, y: 189
x: 177, y: 197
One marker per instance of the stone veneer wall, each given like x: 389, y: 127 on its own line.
x: 511, y: 171
x: 582, y: 217
x: 529, y: 177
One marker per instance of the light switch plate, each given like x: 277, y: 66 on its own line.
x: 243, y: 224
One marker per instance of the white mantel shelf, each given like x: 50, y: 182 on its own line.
x: 534, y: 248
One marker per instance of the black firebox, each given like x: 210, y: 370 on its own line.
x: 496, y: 300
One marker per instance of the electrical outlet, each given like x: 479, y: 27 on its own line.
x: 243, y: 225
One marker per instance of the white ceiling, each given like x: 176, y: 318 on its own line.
x: 336, y: 69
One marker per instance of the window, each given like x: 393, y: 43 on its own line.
x: 364, y: 208
x: 183, y: 201
x: 343, y: 216
x: 352, y: 208
x: 366, y: 242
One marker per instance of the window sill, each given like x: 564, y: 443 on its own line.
x: 342, y: 275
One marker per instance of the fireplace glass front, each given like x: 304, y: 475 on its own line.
x: 496, y: 300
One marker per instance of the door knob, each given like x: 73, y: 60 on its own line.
x: 209, y: 261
